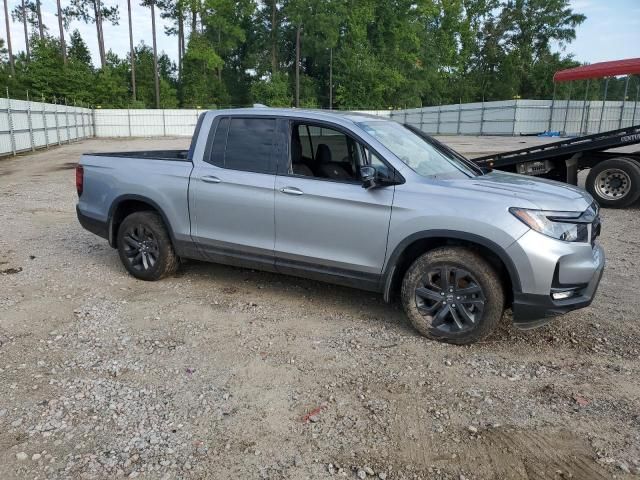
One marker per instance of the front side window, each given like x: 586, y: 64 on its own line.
x: 321, y: 152
x: 415, y: 152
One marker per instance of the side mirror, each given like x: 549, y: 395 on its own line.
x: 368, y: 175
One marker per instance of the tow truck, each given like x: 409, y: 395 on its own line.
x: 614, y: 177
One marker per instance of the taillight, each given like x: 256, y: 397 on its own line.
x: 79, y: 179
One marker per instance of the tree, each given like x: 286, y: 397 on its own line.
x: 156, y: 78
x: 8, y: 24
x: 41, y: 27
x: 78, y: 49
x: 145, y: 78
x: 21, y: 14
x: 272, y: 91
x: 93, y: 11
x: 200, y: 84
x: 131, y: 53
x: 61, y: 28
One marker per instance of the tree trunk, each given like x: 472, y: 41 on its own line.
x: 26, y: 31
x: 63, y: 47
x: 274, y: 37
x: 331, y: 79
x: 40, y: 24
x: 180, y: 42
x: 155, y: 54
x: 219, y: 68
x: 6, y: 17
x: 98, y: 16
x: 132, y: 53
x: 298, y: 66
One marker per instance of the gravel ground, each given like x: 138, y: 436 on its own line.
x: 225, y: 373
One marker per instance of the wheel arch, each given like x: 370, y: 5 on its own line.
x: 418, y: 243
x: 124, y: 206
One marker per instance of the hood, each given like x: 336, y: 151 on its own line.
x: 545, y: 194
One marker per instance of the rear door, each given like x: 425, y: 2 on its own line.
x: 232, y: 191
x: 327, y: 225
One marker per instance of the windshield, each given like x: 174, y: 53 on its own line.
x: 415, y: 152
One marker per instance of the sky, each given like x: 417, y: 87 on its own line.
x: 610, y: 32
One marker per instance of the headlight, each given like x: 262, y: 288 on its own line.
x: 565, y: 226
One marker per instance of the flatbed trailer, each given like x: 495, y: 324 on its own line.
x: 613, y: 179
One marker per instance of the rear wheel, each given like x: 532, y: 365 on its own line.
x: 615, y: 183
x: 453, y: 295
x: 145, y: 247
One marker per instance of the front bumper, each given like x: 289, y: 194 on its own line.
x: 532, y: 310
x: 550, y: 265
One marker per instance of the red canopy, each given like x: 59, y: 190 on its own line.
x: 599, y: 70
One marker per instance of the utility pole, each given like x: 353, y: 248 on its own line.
x: 132, y: 54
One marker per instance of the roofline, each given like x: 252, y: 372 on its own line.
x: 629, y: 66
x: 295, y: 112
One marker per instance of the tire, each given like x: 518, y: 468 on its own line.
x: 145, y: 247
x: 615, y: 183
x: 473, y: 295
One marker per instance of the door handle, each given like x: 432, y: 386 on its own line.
x: 210, y: 179
x: 291, y: 191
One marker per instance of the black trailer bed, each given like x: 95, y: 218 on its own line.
x: 563, y: 149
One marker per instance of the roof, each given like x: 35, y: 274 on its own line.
x: 303, y: 113
x: 628, y: 66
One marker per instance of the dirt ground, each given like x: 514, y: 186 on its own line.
x: 226, y: 373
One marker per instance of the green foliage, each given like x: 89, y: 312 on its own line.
x: 78, y: 50
x: 273, y: 91
x: 385, y: 54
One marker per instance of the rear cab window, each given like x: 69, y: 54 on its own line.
x: 245, y: 144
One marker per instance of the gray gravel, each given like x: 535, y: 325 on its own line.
x: 229, y: 373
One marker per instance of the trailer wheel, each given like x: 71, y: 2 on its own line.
x: 615, y: 182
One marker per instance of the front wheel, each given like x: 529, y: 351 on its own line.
x: 453, y: 295
x: 145, y: 247
x: 615, y: 182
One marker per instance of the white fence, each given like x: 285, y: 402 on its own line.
x: 27, y: 126
x: 522, y: 117
x: 144, y: 123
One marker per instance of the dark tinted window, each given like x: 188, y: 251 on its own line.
x: 219, y: 142
x: 250, y: 144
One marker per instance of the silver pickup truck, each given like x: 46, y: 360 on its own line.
x: 354, y: 200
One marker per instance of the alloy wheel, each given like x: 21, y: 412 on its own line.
x: 451, y: 298
x: 140, y: 247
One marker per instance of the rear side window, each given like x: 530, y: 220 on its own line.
x: 250, y: 144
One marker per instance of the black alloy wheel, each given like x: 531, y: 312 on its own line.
x: 140, y: 247
x: 452, y: 297
x: 145, y: 246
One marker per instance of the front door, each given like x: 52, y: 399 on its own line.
x: 326, y: 223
